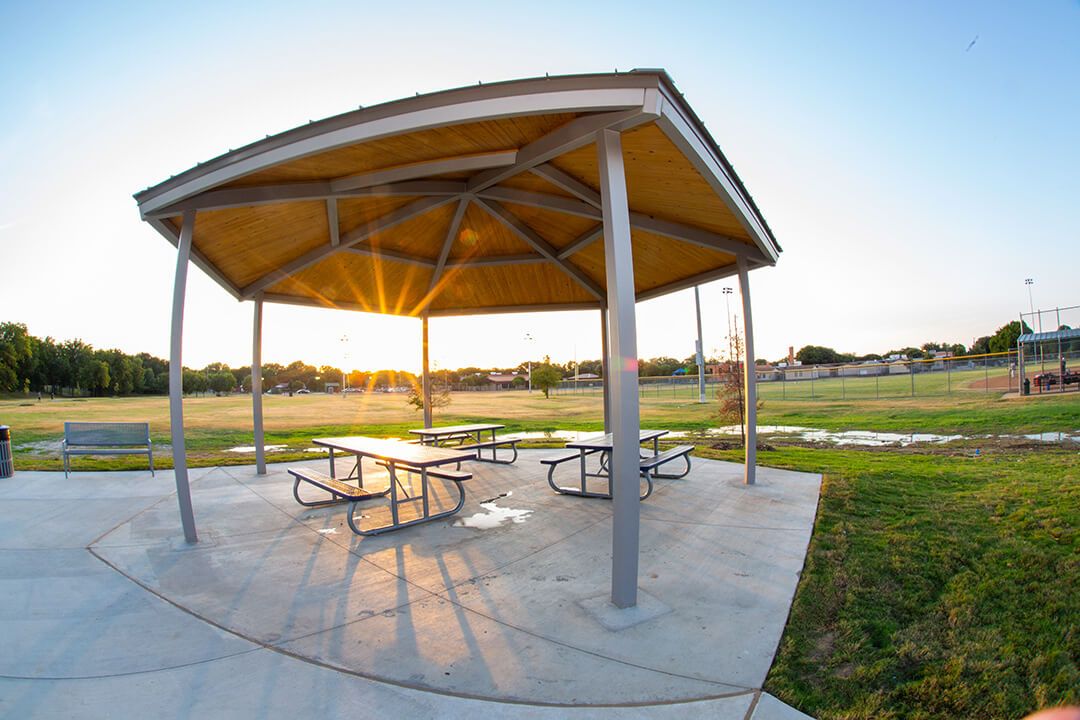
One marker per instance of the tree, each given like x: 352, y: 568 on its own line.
x: 14, y: 352
x: 545, y: 377
x: 818, y: 355
x: 223, y: 381
x: 440, y: 397
x: 731, y: 393
x: 1004, y: 339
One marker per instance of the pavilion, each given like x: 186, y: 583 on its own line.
x: 584, y: 192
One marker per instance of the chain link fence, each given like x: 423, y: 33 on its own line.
x: 926, y: 377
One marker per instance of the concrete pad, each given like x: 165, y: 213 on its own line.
x: 64, y: 614
x: 452, y: 612
x: 769, y: 708
x: 266, y: 684
x: 602, y: 610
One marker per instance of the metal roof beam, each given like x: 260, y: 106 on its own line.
x: 299, y: 192
x: 448, y: 242
x: 425, y: 169
x: 349, y: 239
x: 570, y: 184
x: 694, y: 236
x: 584, y: 240
x: 385, y: 253
x: 332, y: 222
x: 557, y: 203
x: 541, y: 245
x: 497, y: 260
x: 569, y: 137
x: 713, y: 241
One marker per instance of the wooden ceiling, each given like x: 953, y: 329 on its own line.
x: 473, y: 200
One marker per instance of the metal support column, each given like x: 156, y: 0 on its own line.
x: 605, y: 370
x: 256, y: 387
x: 622, y: 364
x: 700, y: 353
x: 750, y: 374
x: 176, y: 380
x: 427, y: 375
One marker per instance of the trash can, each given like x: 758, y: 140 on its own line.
x: 7, y: 468
x: 1027, y: 386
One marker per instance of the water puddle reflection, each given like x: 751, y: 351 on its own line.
x: 494, y: 515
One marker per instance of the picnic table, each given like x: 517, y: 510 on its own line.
x: 397, y: 457
x: 468, y: 437
x: 604, y: 444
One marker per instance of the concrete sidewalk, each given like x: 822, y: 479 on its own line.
x: 280, y: 610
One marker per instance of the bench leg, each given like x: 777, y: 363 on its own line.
x: 673, y: 476
x: 395, y: 524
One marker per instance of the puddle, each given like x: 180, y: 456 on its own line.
x: 494, y: 517
x: 870, y: 438
x: 274, y: 448
x: 251, y: 448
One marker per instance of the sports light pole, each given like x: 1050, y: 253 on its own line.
x: 529, y: 339
x: 700, y: 351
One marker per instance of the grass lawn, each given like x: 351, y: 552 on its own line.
x: 939, y: 583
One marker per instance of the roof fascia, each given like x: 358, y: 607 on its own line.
x: 439, y: 109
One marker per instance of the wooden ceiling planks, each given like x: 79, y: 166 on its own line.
x: 660, y: 182
x: 557, y: 228
x: 533, y: 183
x: 421, y: 236
x: 481, y: 235
x: 508, y: 285
x: 374, y: 284
x: 355, y: 212
x: 661, y: 260
x: 485, y: 136
x: 246, y: 243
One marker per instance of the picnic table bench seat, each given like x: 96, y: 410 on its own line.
x: 106, y: 438
x: 648, y: 468
x: 492, y: 445
x: 339, y: 491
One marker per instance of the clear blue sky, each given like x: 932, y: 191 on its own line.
x: 915, y: 160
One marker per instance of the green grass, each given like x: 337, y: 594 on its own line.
x: 935, y: 586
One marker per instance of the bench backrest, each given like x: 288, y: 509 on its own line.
x: 106, y: 433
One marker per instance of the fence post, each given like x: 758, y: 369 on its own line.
x: 877, y: 379
x: 911, y: 369
x: 843, y: 387
x: 986, y: 373
x: 948, y: 372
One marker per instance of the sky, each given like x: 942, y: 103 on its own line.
x: 916, y: 161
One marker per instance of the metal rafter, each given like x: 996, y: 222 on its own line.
x: 569, y: 137
x: 569, y: 206
x: 498, y: 260
x: 570, y: 184
x: 448, y: 242
x: 299, y: 192
x: 377, y: 252
x: 566, y: 205
x: 541, y: 245
x: 584, y: 240
x: 332, y: 222
x: 413, y: 209
x: 425, y: 169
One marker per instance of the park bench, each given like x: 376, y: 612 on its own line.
x: 106, y: 438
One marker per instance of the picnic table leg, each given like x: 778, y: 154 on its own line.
x: 582, y: 451
x: 393, y: 494
x: 423, y: 489
x: 332, y: 471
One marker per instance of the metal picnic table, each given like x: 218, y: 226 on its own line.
x: 396, y: 456
x: 468, y: 437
